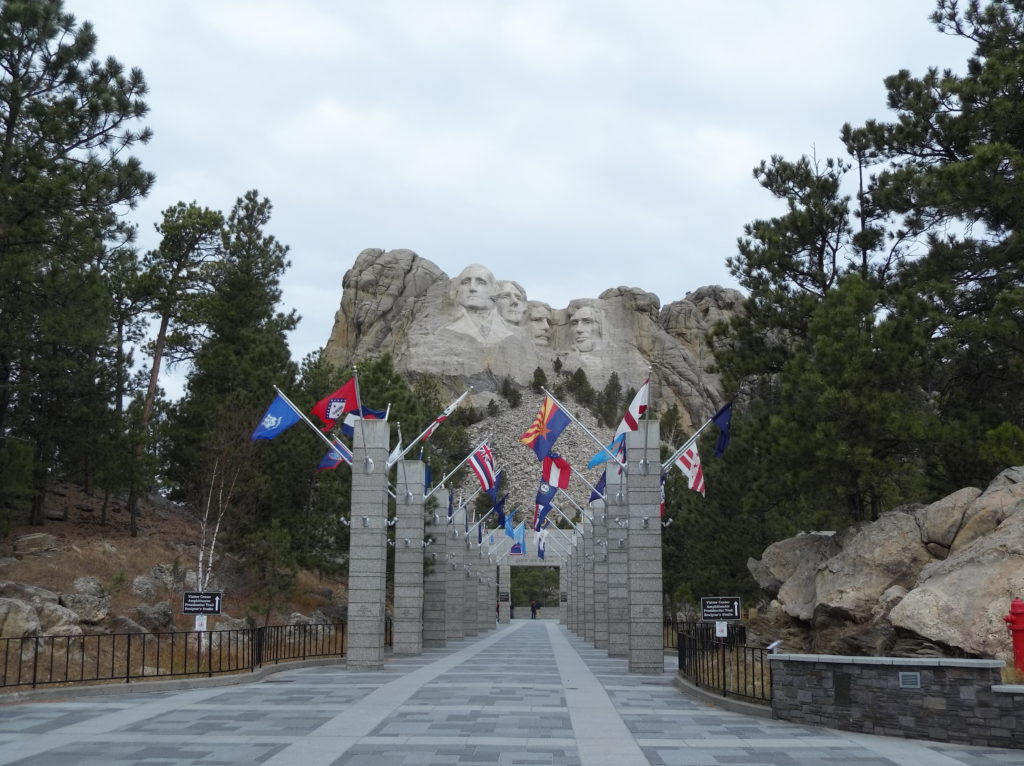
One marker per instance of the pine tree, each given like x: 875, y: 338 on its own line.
x: 65, y: 180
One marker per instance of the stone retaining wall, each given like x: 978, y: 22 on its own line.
x: 945, y: 700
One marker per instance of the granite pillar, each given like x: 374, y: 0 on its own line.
x: 455, y: 586
x: 616, y: 523
x: 407, y: 609
x: 599, y: 527
x: 367, y: 562
x: 643, y: 498
x: 436, y: 571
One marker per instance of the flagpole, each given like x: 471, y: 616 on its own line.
x: 584, y: 480
x: 585, y: 429
x: 560, y: 513
x: 302, y: 415
x: 561, y: 546
x: 579, y: 508
x: 450, y: 408
x: 686, y: 445
x: 461, y: 463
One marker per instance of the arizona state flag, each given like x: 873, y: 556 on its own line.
x: 546, y: 427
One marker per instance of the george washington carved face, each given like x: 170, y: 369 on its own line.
x: 474, y: 289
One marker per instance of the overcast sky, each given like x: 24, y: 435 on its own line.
x: 571, y: 145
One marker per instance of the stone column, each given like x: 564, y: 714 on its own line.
x: 563, y: 589
x: 407, y: 629
x: 504, y: 592
x: 436, y: 576
x: 455, y: 589
x: 588, y: 579
x: 643, y: 496
x: 618, y: 565
x: 470, y: 622
x: 486, y: 612
x: 367, y: 560
x: 600, y: 532
x: 577, y: 591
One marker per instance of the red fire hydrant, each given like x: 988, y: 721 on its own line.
x: 1015, y: 624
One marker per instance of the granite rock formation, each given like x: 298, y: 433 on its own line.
x: 479, y: 329
x: 922, y: 579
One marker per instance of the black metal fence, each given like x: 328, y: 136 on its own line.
x: 47, y: 660
x: 725, y: 665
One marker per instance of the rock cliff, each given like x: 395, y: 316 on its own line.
x: 478, y: 329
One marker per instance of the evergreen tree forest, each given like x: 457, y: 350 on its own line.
x: 89, y: 325
x: 878, y: 361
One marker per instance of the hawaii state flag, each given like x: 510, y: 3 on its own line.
x: 279, y: 417
x: 333, y: 406
x: 689, y: 464
x: 482, y: 463
x: 556, y: 470
x: 335, y: 456
x: 546, y: 427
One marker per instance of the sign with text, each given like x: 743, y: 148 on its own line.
x: 503, y: 596
x: 714, y: 608
x: 197, y: 602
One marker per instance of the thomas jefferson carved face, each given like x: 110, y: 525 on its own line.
x: 474, y: 289
x: 511, y: 300
x: 586, y: 328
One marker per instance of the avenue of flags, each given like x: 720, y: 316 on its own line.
x: 342, y: 412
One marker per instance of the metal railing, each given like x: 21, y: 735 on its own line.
x: 671, y: 632
x: 724, y: 665
x: 47, y: 660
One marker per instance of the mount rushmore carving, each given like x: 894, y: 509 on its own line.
x: 479, y: 329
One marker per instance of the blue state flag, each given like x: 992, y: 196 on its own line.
x: 722, y: 419
x: 499, y: 511
x: 279, y: 417
x: 606, y: 454
x: 335, y: 456
x: 597, y: 493
x: 348, y: 425
x: 519, y: 537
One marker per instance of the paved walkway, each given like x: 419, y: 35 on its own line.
x: 526, y: 693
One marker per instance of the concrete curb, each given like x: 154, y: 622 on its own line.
x: 56, y: 693
x: 727, y: 703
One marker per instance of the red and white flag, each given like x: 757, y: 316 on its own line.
x: 689, y: 464
x: 482, y: 463
x: 631, y: 420
x: 441, y: 418
x: 556, y: 471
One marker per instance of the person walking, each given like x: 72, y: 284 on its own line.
x: 533, y: 610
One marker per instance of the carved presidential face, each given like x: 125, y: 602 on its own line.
x: 586, y: 328
x: 540, y: 324
x: 474, y: 288
x: 511, y: 301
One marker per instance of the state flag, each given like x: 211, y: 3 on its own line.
x: 546, y: 427
x: 556, y: 470
x: 279, y: 417
x: 331, y: 408
x: 348, y: 425
x: 335, y: 456
x: 482, y: 463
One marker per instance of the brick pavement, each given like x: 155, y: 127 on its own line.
x: 527, y: 693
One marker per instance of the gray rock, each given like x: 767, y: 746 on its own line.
x: 154, y: 617
x: 36, y: 542
x: 56, y: 620
x: 32, y: 594
x: 144, y: 586
x: 89, y: 586
x: 989, y: 510
x: 17, y: 619
x: 122, y: 624
x: 90, y: 609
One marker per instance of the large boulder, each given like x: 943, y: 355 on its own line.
x: 154, y: 617
x: 17, y: 619
x: 885, y: 553
x: 919, y: 581
x: 90, y: 601
x: 32, y: 594
x: 57, y: 620
x: 960, y: 601
x: 35, y: 542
